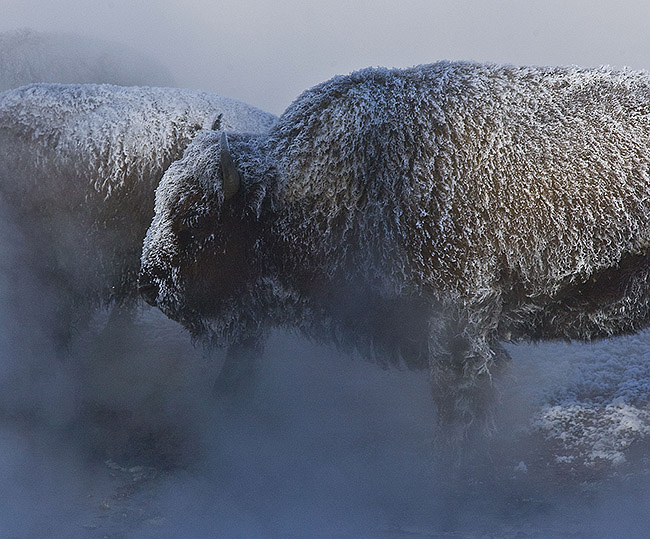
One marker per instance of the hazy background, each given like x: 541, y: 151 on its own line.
x: 125, y: 440
x: 266, y: 52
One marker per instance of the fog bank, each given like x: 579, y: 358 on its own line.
x: 265, y: 53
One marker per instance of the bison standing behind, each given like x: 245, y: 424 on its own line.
x: 422, y: 215
x: 79, y: 164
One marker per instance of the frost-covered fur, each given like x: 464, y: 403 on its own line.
x: 78, y: 168
x: 426, y: 213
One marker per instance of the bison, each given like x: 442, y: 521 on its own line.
x: 423, y: 216
x: 79, y: 164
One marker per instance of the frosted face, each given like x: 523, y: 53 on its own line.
x: 195, y: 253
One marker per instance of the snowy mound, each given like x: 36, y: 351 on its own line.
x: 27, y: 56
x: 592, y: 404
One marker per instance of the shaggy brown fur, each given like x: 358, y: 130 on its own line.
x: 426, y: 214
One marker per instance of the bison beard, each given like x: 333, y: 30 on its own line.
x: 427, y: 214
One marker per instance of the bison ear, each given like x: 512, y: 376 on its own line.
x: 255, y: 199
x: 231, y: 179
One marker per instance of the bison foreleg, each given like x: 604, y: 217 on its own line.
x: 462, y: 367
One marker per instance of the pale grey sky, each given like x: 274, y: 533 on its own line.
x: 266, y: 52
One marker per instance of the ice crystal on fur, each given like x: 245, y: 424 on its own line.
x: 424, y: 215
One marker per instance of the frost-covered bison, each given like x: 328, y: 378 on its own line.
x: 422, y: 215
x: 78, y: 168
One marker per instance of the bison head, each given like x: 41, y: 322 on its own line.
x: 199, y: 254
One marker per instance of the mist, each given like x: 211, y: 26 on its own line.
x: 123, y: 437
x: 266, y: 53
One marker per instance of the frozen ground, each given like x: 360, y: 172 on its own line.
x: 125, y: 440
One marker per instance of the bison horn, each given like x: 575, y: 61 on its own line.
x: 231, y: 179
x: 216, y: 124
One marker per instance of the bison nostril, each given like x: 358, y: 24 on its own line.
x: 149, y: 293
x: 148, y: 290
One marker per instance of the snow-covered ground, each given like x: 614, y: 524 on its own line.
x: 125, y: 439
x: 597, y: 416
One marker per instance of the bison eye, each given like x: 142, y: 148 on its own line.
x: 192, y: 228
